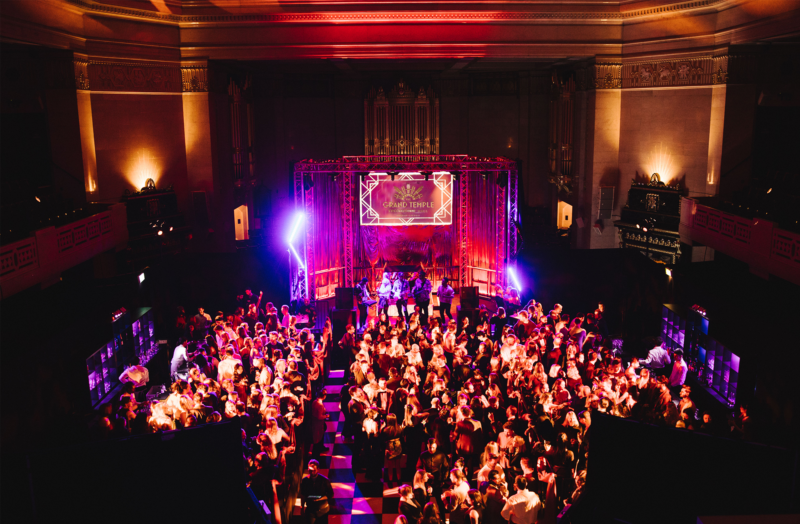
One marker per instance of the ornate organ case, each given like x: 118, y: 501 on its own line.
x: 402, y: 122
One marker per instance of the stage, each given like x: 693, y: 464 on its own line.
x: 452, y: 216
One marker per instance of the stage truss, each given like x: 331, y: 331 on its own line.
x: 351, y: 170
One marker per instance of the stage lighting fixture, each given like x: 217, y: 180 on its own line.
x: 170, y: 228
x: 392, y: 174
x: 427, y: 175
x: 455, y: 175
x: 644, y: 229
x: 363, y: 176
x: 335, y: 176
x: 141, y: 277
x: 485, y: 175
x: 768, y: 192
x: 298, y: 218
x: 37, y: 198
x: 668, y: 271
x: 513, y: 276
x: 160, y: 232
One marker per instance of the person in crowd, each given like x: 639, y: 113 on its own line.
x: 384, y: 295
x: 400, y: 293
x: 409, y: 507
x: 422, y: 296
x: 446, y: 294
x: 316, y: 495
x: 658, y: 357
x: 679, y: 371
x: 363, y: 297
x: 523, y: 507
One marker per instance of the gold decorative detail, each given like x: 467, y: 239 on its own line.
x: 81, y: 74
x: 194, y: 79
x: 607, y: 76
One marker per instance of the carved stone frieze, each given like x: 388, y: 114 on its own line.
x: 133, y: 76
x: 705, y: 70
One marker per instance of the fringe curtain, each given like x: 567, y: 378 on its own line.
x: 483, y: 222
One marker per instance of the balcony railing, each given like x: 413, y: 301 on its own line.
x: 767, y: 249
x: 41, y: 258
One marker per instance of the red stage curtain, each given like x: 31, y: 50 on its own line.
x: 483, y: 222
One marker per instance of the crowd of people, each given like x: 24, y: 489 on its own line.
x: 483, y: 419
x: 488, y: 419
x: 258, y: 365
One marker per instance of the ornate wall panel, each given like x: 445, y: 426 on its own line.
x: 194, y: 78
x: 706, y: 70
x: 125, y: 76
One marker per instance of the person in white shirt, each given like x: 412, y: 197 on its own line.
x: 446, y: 294
x: 679, y: 369
x: 384, y: 294
x: 179, y: 367
x: 227, y: 366
x: 400, y: 290
x: 522, y: 507
x: 658, y: 357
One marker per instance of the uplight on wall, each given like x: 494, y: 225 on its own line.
x: 661, y: 163
x: 144, y: 170
x: 141, y: 277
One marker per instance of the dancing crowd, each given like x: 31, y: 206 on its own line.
x: 485, y: 419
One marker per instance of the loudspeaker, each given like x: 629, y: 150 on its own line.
x: 472, y: 314
x: 345, y: 297
x: 262, y: 202
x: 339, y: 320
x: 469, y: 297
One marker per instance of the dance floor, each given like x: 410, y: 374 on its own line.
x: 356, y: 499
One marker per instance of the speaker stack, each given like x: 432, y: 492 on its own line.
x: 469, y: 305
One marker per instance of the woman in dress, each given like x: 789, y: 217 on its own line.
x: 409, y: 506
x: 391, y: 435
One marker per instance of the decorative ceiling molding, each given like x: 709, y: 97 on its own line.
x: 394, y: 16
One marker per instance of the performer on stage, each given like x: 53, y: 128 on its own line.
x: 364, y: 301
x: 384, y: 294
x: 400, y: 290
x: 422, y: 296
x: 446, y: 295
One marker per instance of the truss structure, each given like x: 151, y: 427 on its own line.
x: 462, y: 167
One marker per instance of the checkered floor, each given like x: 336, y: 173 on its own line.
x: 356, y: 499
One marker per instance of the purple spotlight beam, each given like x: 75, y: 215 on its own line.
x: 513, y: 275
x: 297, y: 220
